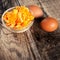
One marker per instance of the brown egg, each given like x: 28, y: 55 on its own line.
x: 49, y: 24
x: 36, y: 11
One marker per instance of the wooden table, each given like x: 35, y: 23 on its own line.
x: 34, y: 44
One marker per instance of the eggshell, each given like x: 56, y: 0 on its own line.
x: 49, y: 24
x: 36, y: 11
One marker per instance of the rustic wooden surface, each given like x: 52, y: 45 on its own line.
x: 34, y: 44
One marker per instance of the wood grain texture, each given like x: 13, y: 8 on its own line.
x: 34, y: 44
x: 18, y: 46
x: 51, y: 7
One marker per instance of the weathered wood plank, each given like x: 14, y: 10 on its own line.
x: 18, y: 46
x: 28, y: 2
x: 51, y: 7
x: 48, y: 43
x: 34, y: 44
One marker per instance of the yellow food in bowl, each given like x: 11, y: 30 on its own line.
x: 18, y: 18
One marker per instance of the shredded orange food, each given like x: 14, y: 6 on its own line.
x: 18, y: 18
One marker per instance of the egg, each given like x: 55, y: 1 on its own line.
x: 36, y: 11
x: 49, y: 24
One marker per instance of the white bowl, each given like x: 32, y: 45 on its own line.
x: 12, y: 30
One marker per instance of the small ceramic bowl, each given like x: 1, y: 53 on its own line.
x: 12, y: 30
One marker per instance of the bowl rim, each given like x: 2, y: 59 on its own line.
x: 15, y: 31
